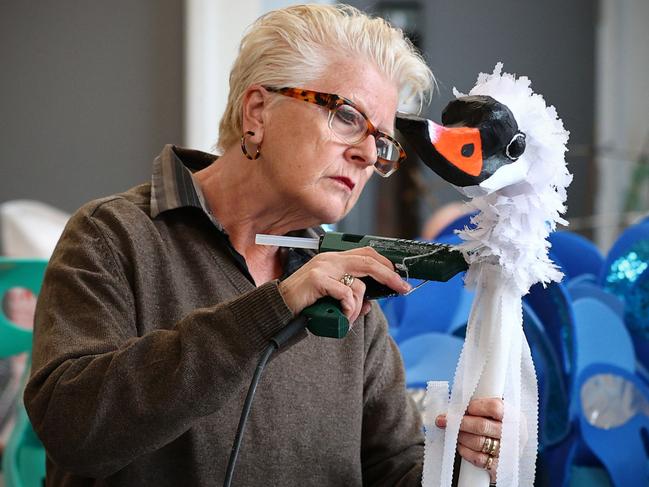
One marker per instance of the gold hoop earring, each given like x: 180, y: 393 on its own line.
x: 244, y: 137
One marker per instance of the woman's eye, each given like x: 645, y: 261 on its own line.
x: 346, y: 116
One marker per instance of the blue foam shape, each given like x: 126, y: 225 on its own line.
x: 600, y: 337
x: 430, y: 356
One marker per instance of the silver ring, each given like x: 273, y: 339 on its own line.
x: 347, y: 280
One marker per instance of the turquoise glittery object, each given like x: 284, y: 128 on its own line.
x: 636, y: 308
x: 627, y: 268
x: 628, y: 279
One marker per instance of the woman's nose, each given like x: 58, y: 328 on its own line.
x: 364, y: 153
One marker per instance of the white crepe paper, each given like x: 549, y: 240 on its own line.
x: 507, y: 252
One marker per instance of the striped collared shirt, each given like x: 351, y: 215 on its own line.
x: 173, y: 186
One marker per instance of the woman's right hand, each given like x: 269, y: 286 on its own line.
x: 322, y: 275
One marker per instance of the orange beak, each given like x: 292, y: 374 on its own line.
x: 460, y: 146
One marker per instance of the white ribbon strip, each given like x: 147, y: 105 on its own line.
x: 435, y: 403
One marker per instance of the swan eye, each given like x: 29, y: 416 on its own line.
x: 516, y: 146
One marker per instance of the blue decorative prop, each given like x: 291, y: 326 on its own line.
x: 636, y: 309
x: 627, y: 268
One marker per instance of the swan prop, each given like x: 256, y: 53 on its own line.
x: 504, y: 149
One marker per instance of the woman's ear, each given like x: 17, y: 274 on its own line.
x: 255, y: 101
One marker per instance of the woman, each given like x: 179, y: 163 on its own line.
x: 157, y: 303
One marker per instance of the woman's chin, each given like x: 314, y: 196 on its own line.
x: 325, y: 208
x: 331, y: 214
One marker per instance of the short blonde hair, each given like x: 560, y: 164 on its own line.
x: 293, y: 46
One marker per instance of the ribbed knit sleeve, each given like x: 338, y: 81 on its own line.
x: 108, y: 384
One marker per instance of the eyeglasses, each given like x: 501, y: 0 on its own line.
x: 351, y: 126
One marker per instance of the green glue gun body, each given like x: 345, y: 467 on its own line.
x: 411, y: 259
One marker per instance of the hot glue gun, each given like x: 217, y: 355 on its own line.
x: 411, y: 259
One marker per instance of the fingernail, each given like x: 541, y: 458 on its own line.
x: 440, y: 421
x: 406, y: 286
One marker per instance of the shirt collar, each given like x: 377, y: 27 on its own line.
x: 172, y: 183
x: 173, y: 186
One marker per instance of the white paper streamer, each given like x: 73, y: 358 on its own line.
x: 507, y: 252
x: 435, y: 403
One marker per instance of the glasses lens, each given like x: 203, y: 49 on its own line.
x: 348, y: 124
x: 387, y: 150
x: 388, y: 154
x: 352, y: 127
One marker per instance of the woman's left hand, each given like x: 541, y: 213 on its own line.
x: 480, y: 431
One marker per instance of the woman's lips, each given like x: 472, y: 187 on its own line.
x: 346, y: 181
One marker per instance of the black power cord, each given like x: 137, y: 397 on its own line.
x: 277, y: 342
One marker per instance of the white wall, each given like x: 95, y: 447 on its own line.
x: 89, y: 94
x: 622, y: 106
x: 213, y: 30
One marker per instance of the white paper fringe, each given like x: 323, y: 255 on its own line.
x: 515, y: 220
x: 507, y: 253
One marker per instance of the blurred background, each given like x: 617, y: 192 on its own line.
x: 90, y: 92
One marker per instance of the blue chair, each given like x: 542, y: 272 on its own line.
x: 576, y: 254
x: 23, y: 460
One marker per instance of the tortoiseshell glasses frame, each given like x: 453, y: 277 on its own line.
x: 348, y: 122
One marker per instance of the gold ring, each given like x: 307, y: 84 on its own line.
x: 495, y: 446
x: 347, y: 280
x: 486, y: 446
x: 489, y: 462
